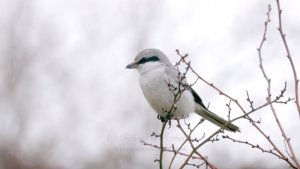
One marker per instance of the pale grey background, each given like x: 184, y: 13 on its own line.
x: 67, y: 102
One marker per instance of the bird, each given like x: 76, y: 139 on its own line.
x: 158, y: 81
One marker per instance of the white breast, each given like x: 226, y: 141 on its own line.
x: 161, y: 99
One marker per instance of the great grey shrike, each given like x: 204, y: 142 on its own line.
x: 155, y: 71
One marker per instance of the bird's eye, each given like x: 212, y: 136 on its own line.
x: 143, y: 60
x: 148, y: 59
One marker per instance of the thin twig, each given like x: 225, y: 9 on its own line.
x: 177, y: 91
x: 250, y: 101
x: 183, y: 143
x: 238, y: 104
x: 293, y: 156
x: 254, y: 146
x: 241, y: 108
x: 222, y: 128
x: 188, y: 137
x: 229, y: 109
x: 289, y: 56
x: 196, y: 165
x: 168, y: 150
x: 162, y: 144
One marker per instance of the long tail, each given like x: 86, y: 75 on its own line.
x: 215, y: 119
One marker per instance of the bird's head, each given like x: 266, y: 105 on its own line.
x: 149, y: 59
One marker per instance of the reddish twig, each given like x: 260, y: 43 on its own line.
x: 286, y: 138
x: 282, y: 156
x: 269, y: 88
x: 188, y: 138
x: 289, y: 56
x: 161, y: 145
x: 239, y: 105
x: 168, y: 150
x: 254, y: 146
x: 177, y: 91
x: 234, y: 119
x: 250, y: 101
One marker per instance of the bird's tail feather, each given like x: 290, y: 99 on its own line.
x: 215, y: 119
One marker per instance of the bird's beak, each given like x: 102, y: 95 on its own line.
x: 132, y: 65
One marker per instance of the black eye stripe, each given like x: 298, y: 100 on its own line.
x: 148, y: 59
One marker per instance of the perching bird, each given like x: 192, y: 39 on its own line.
x: 156, y: 76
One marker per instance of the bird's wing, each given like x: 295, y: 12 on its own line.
x: 210, y: 116
x: 215, y: 119
x: 171, y: 75
x: 197, y: 99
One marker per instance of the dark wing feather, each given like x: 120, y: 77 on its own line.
x: 197, y: 99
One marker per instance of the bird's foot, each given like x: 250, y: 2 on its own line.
x: 165, y: 119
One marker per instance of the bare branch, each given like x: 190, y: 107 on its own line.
x: 293, y: 156
x: 162, y: 144
x: 188, y: 138
x: 250, y: 101
x: 246, y: 114
x: 258, y: 147
x: 269, y: 100
x: 167, y: 150
x: 229, y: 109
x: 289, y: 56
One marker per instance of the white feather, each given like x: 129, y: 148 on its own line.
x: 153, y: 81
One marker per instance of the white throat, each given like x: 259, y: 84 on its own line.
x: 150, y: 66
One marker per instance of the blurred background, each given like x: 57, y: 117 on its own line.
x: 67, y: 102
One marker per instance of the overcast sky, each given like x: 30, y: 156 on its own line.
x: 67, y: 100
